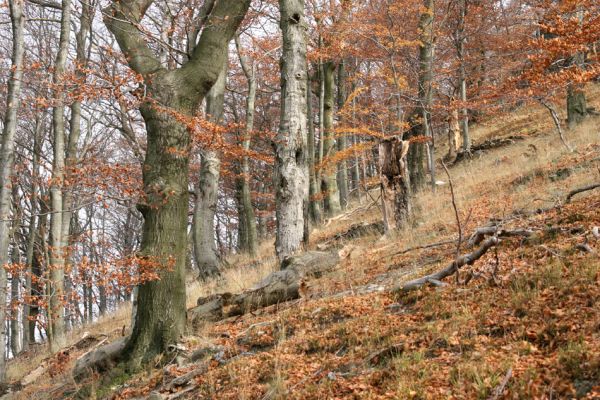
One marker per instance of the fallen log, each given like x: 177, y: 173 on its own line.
x: 99, y: 360
x: 467, y: 259
x: 355, y: 231
x: 481, y: 233
x: 277, y: 287
x: 490, y: 144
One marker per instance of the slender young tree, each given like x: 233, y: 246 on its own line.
x: 161, y: 311
x: 329, y: 183
x: 56, y: 309
x: 205, y: 248
x: 462, y: 74
x: 314, y: 209
x: 425, y: 81
x: 250, y: 243
x: 291, y: 168
x: 7, y: 158
x: 342, y: 142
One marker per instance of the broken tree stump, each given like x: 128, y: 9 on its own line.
x: 277, y: 287
x: 395, y: 182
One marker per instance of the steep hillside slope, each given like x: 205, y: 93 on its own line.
x: 522, y: 322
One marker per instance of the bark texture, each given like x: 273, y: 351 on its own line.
x: 291, y: 170
x: 395, y: 183
x: 342, y: 142
x: 314, y: 207
x: 329, y: 174
x: 7, y: 158
x: 462, y: 77
x: 161, y: 312
x: 426, y: 48
x: 247, y: 216
x: 56, y: 309
x: 207, y: 191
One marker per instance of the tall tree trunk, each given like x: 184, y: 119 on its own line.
x: 291, y: 168
x: 251, y: 243
x: 205, y: 248
x: 7, y: 158
x: 425, y: 81
x: 314, y: 210
x: 462, y: 78
x: 56, y: 309
x: 15, y: 283
x: 329, y: 173
x: 70, y: 161
x: 342, y: 142
x: 31, y: 237
x: 161, y: 310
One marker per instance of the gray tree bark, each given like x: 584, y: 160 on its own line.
x: 161, y: 311
x: 462, y: 77
x: 7, y: 158
x: 251, y: 240
x: 314, y: 210
x: 291, y: 168
x: 56, y: 309
x: 426, y: 48
x: 31, y: 236
x: 342, y: 142
x: 329, y: 174
x: 205, y: 248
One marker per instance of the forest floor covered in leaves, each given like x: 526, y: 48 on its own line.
x: 522, y: 322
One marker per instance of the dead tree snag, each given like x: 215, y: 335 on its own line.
x: 395, y: 182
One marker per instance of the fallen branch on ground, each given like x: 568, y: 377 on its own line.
x: 467, y: 259
x: 581, y: 190
x: 481, y: 233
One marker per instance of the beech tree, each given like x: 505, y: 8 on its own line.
x: 7, y: 157
x: 291, y: 169
x: 161, y: 313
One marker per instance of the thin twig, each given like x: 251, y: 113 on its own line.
x: 500, y: 388
x: 458, y: 225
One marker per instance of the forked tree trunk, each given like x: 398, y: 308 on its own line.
x: 395, y: 183
x: 329, y: 173
x: 7, y: 158
x: 205, y: 248
x: 161, y: 311
x: 291, y: 169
